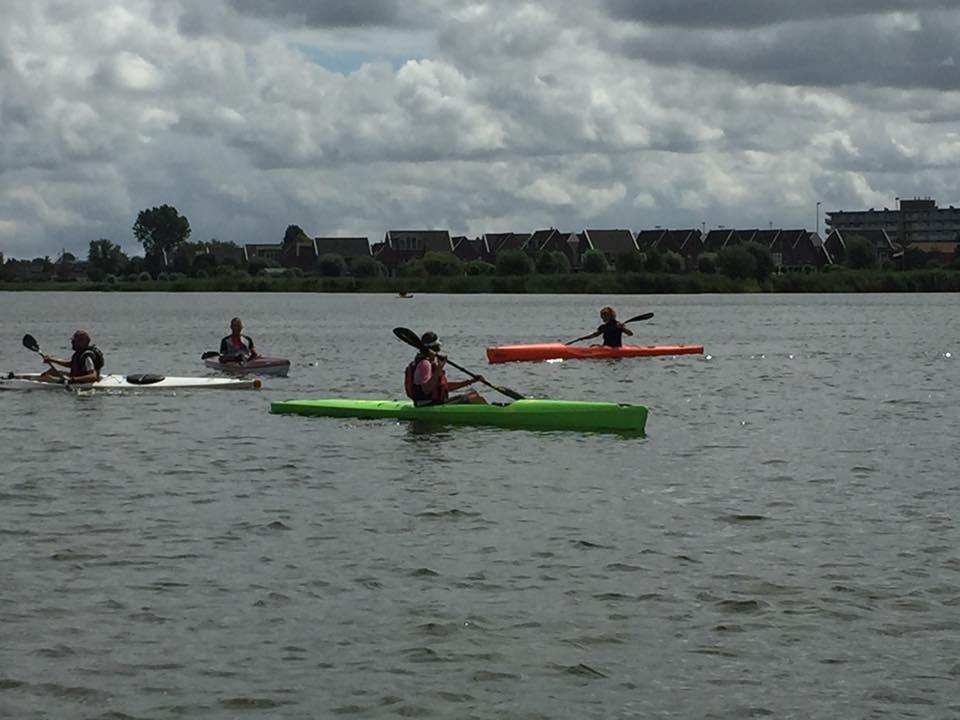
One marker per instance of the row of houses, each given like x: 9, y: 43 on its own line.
x: 791, y: 249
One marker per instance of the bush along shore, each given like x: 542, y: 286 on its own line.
x: 837, y: 281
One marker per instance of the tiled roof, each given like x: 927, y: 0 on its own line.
x: 613, y: 242
x: 343, y: 246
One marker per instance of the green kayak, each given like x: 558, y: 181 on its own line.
x: 521, y: 414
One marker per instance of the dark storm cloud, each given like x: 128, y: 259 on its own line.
x: 330, y: 13
x: 757, y: 13
x: 846, y: 52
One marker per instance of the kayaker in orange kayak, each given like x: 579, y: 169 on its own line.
x: 237, y: 347
x: 425, y: 380
x: 612, y: 330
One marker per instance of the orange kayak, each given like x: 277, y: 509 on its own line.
x: 559, y: 351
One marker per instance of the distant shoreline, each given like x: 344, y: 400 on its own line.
x: 840, y: 281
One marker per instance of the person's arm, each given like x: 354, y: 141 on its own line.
x: 50, y: 360
x: 625, y: 329
x: 598, y: 333
x: 463, y: 383
x: 253, y: 352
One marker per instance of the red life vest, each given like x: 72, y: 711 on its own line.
x: 416, y: 393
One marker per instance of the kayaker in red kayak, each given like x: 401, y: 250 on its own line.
x: 612, y: 330
x: 85, y: 363
x: 237, y: 347
x: 426, y: 381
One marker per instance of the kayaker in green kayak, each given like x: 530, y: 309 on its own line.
x: 426, y: 381
x: 84, y: 365
x: 612, y: 329
x: 237, y: 347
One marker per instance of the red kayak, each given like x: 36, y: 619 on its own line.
x: 258, y: 366
x: 559, y: 351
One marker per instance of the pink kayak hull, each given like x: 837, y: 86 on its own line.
x: 259, y: 366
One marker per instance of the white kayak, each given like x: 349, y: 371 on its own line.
x: 138, y: 381
x: 261, y: 365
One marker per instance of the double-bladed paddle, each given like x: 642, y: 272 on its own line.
x: 411, y: 338
x: 635, y: 318
x: 209, y: 354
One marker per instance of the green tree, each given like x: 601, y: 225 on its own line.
x: 161, y: 229
x: 762, y: 258
x: 332, y: 265
x: 861, y: 254
x: 594, y: 261
x: 106, y: 256
x: 480, y: 267
x: 563, y: 264
x: 412, y: 268
x: 707, y: 263
x: 442, y: 263
x: 654, y: 260
x: 514, y: 262
x: 206, y: 262
x: 674, y: 262
x: 546, y: 263
x: 366, y: 266
x: 631, y: 261
x: 736, y: 262
x: 293, y: 236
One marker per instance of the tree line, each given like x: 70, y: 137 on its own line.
x: 165, y: 236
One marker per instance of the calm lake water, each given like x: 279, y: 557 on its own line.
x: 784, y: 542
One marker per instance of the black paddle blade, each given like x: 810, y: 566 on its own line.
x: 30, y: 343
x: 409, y: 337
x: 209, y: 354
x: 636, y: 318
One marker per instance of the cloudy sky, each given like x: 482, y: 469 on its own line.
x: 351, y: 117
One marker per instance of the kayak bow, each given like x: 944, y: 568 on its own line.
x: 520, y: 414
x: 559, y: 351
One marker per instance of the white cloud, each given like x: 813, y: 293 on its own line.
x: 471, y: 115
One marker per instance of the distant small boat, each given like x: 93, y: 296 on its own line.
x: 405, y: 295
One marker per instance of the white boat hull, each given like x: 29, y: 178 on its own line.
x: 131, y: 382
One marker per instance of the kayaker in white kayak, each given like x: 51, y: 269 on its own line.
x: 426, y: 381
x: 84, y: 365
x: 612, y: 330
x: 237, y: 347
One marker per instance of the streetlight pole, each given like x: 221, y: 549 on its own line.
x: 818, y: 218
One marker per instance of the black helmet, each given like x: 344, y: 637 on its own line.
x: 430, y: 340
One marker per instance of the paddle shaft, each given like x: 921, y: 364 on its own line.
x: 635, y: 318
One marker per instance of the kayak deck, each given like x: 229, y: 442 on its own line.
x: 31, y: 381
x: 520, y: 414
x: 258, y: 366
x: 559, y: 351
